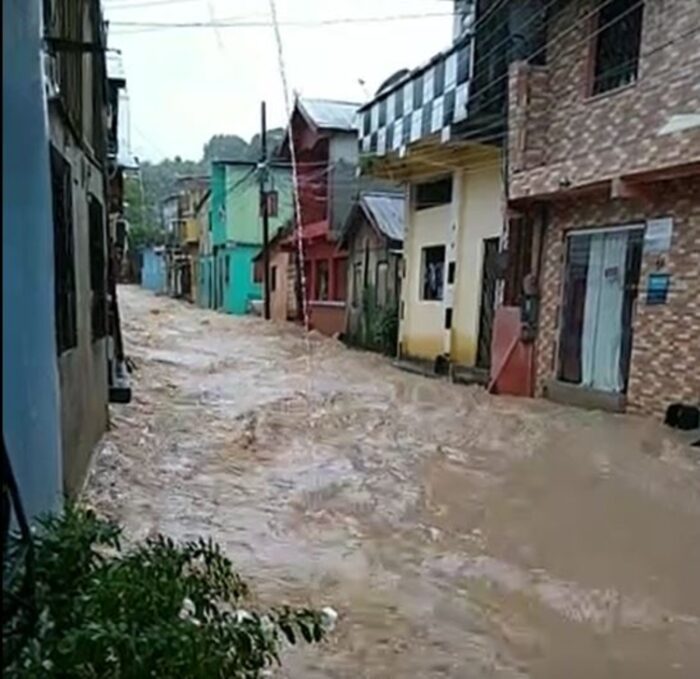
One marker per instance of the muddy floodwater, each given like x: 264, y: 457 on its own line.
x: 457, y: 534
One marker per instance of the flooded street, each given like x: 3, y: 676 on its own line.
x: 457, y: 534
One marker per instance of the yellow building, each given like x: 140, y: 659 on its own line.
x: 421, y: 129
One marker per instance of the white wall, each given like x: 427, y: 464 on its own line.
x: 481, y: 217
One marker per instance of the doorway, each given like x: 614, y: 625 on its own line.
x: 600, y: 290
x: 489, y: 276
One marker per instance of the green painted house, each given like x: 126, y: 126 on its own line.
x: 236, y: 230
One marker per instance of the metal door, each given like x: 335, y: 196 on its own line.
x: 489, y: 277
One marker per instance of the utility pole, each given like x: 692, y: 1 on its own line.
x: 264, y: 207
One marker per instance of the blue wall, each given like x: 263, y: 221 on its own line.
x: 30, y: 391
x: 153, y: 271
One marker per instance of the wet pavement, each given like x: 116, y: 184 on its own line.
x: 457, y: 534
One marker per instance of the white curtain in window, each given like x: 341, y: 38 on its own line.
x: 602, y: 322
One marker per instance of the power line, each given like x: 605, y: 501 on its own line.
x: 240, y: 22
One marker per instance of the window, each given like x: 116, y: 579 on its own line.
x: 357, y: 286
x: 432, y: 272
x: 227, y: 268
x: 617, y: 41
x: 418, y: 92
x: 600, y: 287
x: 64, y: 253
x: 439, y: 77
x: 98, y: 267
x: 382, y: 112
x: 433, y: 194
x: 463, y: 64
x: 398, y: 103
x: 340, y: 279
x: 273, y: 278
x: 321, y: 292
x: 382, y: 288
x: 366, y: 122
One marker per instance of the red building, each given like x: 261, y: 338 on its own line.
x: 324, y: 134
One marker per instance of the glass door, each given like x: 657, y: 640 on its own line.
x: 600, y: 288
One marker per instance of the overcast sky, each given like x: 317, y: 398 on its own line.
x: 186, y: 84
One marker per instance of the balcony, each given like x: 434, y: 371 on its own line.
x: 417, y: 110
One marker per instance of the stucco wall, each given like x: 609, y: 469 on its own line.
x: 481, y: 217
x: 30, y: 386
x: 83, y: 368
x: 279, y: 297
x: 421, y: 332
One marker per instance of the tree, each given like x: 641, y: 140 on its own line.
x: 225, y: 147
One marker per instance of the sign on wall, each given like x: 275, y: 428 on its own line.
x: 657, y: 236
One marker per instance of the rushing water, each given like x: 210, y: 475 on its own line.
x: 458, y: 535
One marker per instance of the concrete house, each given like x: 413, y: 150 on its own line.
x: 373, y: 237
x: 202, y: 214
x: 63, y: 341
x: 77, y: 98
x: 439, y: 129
x: 236, y: 229
x: 604, y: 228
x: 324, y: 134
x: 31, y: 402
x: 283, y: 280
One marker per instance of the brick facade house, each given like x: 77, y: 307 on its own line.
x: 604, y: 203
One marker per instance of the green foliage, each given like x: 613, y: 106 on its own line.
x: 160, y: 609
x: 379, y: 325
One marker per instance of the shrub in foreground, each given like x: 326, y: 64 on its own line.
x: 159, y: 609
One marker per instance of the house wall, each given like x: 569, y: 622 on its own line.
x: 153, y: 271
x: 476, y: 213
x: 240, y: 288
x: 481, y: 217
x: 237, y: 227
x: 365, y: 238
x: 30, y: 382
x: 279, y: 297
x: 83, y: 368
x: 665, y: 361
x: 421, y: 330
x: 559, y: 133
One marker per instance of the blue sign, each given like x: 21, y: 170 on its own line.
x: 658, y: 285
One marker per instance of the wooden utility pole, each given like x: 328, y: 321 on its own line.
x: 265, y: 208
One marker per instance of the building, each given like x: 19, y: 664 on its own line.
x: 78, y: 113
x: 202, y: 214
x: 182, y: 229
x: 237, y: 232
x: 191, y: 192
x: 153, y: 270
x: 62, y: 331
x: 373, y: 237
x: 31, y: 402
x: 439, y: 129
x: 604, y: 188
x: 283, y: 278
x: 324, y: 135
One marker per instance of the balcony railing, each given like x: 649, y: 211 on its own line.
x: 425, y: 102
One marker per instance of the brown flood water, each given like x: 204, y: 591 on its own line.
x: 457, y: 534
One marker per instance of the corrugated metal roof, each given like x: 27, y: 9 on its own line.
x: 329, y: 114
x: 386, y: 210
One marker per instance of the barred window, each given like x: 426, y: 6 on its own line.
x: 64, y: 253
